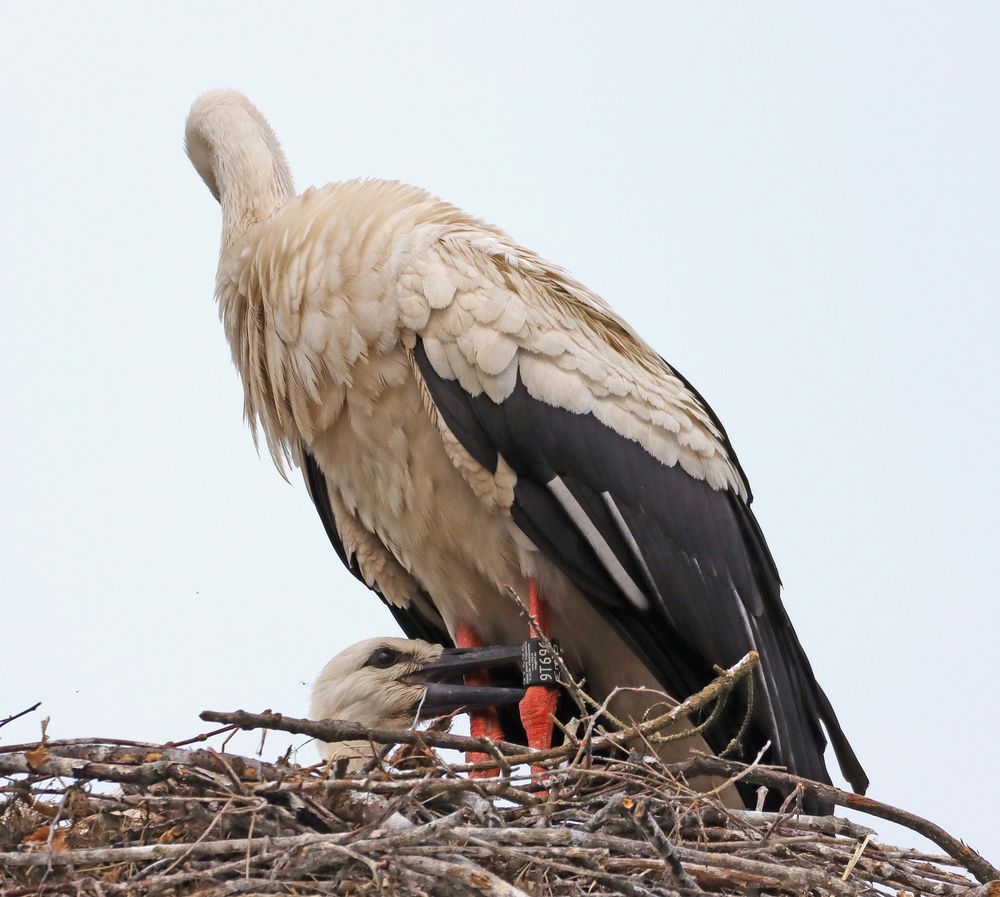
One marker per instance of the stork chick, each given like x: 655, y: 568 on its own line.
x: 392, y: 683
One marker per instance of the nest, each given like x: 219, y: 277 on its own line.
x: 608, y: 818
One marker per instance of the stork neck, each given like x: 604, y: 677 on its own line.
x: 253, y: 185
x: 238, y: 156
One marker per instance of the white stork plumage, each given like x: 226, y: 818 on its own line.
x: 470, y: 420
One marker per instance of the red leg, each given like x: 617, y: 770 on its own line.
x: 484, y: 721
x: 539, y: 702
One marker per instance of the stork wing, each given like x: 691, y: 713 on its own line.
x: 371, y: 563
x: 625, y: 479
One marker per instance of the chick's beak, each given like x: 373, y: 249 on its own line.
x: 443, y: 679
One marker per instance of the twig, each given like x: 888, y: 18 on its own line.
x: 149, y: 852
x: 140, y: 774
x: 465, y: 875
x: 204, y: 736
x: 14, y: 716
x: 345, y: 730
x: 855, y: 858
x: 646, y: 825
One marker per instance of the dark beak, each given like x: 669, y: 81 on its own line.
x: 444, y: 680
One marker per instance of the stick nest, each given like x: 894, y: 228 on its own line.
x: 189, y: 818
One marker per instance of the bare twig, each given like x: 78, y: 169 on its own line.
x: 25, y: 712
x: 204, y: 736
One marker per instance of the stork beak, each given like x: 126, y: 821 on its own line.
x: 443, y: 680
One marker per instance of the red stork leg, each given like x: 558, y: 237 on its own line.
x: 538, y: 706
x: 484, y: 722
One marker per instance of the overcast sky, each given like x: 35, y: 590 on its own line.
x: 798, y: 205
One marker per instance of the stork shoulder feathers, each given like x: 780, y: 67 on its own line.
x: 489, y: 313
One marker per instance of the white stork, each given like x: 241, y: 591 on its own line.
x: 472, y: 422
x: 392, y: 683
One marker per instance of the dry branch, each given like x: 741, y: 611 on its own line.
x: 25, y: 712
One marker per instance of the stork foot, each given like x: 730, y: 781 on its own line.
x: 484, y: 722
x: 538, y: 706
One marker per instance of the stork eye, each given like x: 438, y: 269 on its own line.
x: 383, y: 658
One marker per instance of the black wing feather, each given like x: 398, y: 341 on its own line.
x: 711, y: 586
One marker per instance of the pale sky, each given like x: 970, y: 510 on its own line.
x: 798, y: 205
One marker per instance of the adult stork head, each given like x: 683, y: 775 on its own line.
x: 392, y: 683
x: 233, y: 148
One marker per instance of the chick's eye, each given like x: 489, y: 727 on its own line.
x: 382, y: 658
